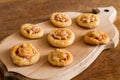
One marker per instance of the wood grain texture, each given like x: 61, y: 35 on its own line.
x: 13, y: 13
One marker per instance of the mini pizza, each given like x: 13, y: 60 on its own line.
x: 61, y: 37
x: 87, y: 20
x: 96, y: 37
x: 31, y: 31
x: 24, y: 54
x: 60, y: 57
x: 60, y: 19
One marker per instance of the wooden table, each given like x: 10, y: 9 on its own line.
x: 14, y: 13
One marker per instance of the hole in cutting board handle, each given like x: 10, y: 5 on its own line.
x: 106, y: 10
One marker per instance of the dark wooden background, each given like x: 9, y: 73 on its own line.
x: 14, y: 13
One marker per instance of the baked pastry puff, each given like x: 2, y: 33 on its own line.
x: 31, y: 31
x: 96, y: 37
x: 61, y: 37
x: 60, y: 19
x: 60, y: 57
x: 87, y: 20
x: 24, y: 54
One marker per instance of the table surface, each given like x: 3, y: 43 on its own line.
x: 14, y: 13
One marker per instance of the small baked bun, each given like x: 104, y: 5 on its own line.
x: 24, y: 54
x: 60, y: 57
x: 96, y: 37
x: 60, y: 19
x: 31, y: 31
x: 61, y: 37
x: 87, y: 20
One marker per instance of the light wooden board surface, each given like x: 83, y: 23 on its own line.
x: 83, y: 54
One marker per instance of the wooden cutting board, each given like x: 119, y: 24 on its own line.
x: 83, y: 54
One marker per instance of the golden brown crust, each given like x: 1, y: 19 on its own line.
x: 87, y: 20
x: 60, y: 57
x: 60, y: 19
x: 96, y: 37
x: 31, y: 31
x: 61, y: 37
x: 24, y: 54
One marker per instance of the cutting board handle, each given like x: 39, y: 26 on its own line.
x: 108, y: 12
x: 109, y: 15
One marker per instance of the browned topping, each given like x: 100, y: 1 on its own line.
x: 59, y: 56
x: 65, y: 57
x: 17, y: 51
x: 98, y: 38
x: 103, y: 36
x: 97, y: 35
x: 25, y: 51
x: 61, y: 18
x: 33, y: 30
x: 88, y: 18
x: 60, y: 34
